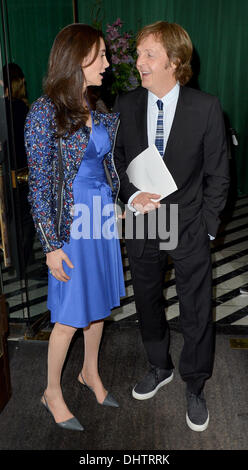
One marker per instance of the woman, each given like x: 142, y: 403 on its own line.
x: 17, y: 107
x: 70, y: 160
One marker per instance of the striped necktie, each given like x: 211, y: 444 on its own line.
x: 159, y: 140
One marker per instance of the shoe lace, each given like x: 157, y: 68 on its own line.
x: 196, y: 400
x: 155, y: 373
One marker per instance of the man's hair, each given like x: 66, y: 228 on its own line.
x: 177, y: 44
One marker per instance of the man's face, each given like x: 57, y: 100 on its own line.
x: 156, y: 71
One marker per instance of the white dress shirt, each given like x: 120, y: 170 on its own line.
x: 169, y: 108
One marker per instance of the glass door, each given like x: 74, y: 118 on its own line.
x: 12, y: 275
x: 23, y: 273
x: 27, y: 31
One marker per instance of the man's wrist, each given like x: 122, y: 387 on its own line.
x: 130, y: 200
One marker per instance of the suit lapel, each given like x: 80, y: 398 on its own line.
x: 178, y: 125
x: 177, y: 128
x: 141, y: 118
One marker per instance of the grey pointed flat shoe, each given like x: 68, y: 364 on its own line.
x: 72, y: 423
x: 109, y: 399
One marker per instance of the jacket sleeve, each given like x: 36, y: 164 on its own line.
x: 127, y: 189
x: 40, y: 148
x: 216, y: 168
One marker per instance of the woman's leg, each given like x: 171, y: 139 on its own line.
x: 92, y: 339
x: 59, y: 343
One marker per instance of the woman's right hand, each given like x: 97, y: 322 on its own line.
x: 54, y: 261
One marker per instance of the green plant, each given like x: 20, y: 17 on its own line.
x: 121, y: 46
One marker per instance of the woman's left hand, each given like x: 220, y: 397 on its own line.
x: 54, y: 261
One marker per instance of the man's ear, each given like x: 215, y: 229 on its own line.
x: 175, y: 63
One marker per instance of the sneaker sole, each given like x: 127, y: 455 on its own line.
x: 197, y: 427
x: 146, y: 396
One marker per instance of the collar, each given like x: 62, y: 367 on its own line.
x: 105, y: 118
x: 168, y: 98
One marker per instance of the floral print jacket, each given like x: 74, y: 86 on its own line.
x: 50, y: 194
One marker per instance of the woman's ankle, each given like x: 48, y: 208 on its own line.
x: 53, y: 393
x: 87, y: 376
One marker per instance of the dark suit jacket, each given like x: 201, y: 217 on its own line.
x: 196, y: 156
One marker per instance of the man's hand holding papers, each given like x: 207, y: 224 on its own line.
x: 146, y: 202
x: 150, y: 175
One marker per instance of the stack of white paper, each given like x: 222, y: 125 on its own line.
x: 149, y: 173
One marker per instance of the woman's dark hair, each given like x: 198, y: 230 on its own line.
x: 65, y: 78
x: 17, y: 82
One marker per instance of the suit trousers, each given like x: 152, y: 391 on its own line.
x: 194, y: 288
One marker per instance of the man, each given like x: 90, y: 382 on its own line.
x: 194, y: 150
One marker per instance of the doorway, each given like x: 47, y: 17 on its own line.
x: 27, y: 30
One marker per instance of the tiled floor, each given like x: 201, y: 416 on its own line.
x: 230, y: 272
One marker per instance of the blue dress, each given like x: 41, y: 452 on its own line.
x: 96, y: 281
